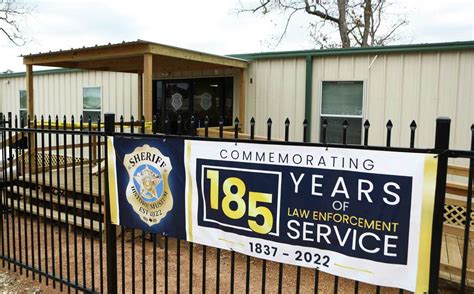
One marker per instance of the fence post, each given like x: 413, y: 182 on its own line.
x: 467, y: 224
x: 110, y: 229
x: 441, y: 147
x: 2, y: 140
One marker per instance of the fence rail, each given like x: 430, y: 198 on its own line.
x: 55, y: 229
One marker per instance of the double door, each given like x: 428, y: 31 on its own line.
x: 201, y: 97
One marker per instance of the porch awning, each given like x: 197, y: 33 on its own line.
x: 147, y: 59
x: 128, y: 57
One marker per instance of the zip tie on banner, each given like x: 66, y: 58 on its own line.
x: 439, y: 154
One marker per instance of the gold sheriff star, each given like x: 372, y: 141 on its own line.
x: 148, y: 181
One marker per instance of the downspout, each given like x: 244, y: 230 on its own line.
x: 308, y: 93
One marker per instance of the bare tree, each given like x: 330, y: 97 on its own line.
x: 358, y: 22
x: 12, y: 14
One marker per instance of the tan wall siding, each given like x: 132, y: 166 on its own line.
x: 61, y: 93
x: 400, y: 87
x: 403, y: 87
x: 277, y: 91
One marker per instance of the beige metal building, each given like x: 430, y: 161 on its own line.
x: 400, y: 83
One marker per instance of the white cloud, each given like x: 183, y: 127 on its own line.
x: 440, y: 21
x: 205, y: 25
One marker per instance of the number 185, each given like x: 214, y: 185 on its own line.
x: 234, y: 191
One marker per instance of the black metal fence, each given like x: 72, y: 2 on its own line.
x: 54, y: 225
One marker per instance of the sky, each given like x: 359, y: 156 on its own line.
x: 206, y: 25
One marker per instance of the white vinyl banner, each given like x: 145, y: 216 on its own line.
x: 359, y: 214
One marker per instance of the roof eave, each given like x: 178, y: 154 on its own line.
x: 450, y: 46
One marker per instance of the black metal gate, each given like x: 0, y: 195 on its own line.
x: 54, y: 225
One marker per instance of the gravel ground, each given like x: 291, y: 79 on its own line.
x: 11, y: 282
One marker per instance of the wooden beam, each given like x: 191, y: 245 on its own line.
x: 148, y: 86
x: 456, y: 188
x: 29, y: 89
x: 131, y: 50
x: 101, y: 53
x: 458, y: 170
x: 162, y: 64
x: 140, y: 94
x: 457, y: 231
x: 181, y: 53
x: 122, y: 69
x: 137, y: 61
x: 242, y: 97
x: 117, y: 64
x: 174, y: 65
x: 99, y: 65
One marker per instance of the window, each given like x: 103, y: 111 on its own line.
x: 23, y: 106
x: 342, y: 101
x: 92, y: 104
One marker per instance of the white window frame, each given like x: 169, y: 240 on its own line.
x: 92, y: 110
x: 362, y: 116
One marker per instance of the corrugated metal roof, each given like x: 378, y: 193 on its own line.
x: 123, y: 43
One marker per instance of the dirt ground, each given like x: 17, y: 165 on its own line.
x: 85, y: 264
x: 11, y: 282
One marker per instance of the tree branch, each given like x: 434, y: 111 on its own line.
x: 286, y: 25
x: 362, y: 22
x: 11, y: 12
x: 383, y: 39
x: 312, y: 9
x: 263, y: 5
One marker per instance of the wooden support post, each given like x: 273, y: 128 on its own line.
x: 147, y: 86
x: 30, y: 108
x: 140, y: 95
x: 242, y: 97
x: 29, y: 89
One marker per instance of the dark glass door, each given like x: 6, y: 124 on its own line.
x: 178, y: 103
x: 212, y: 97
